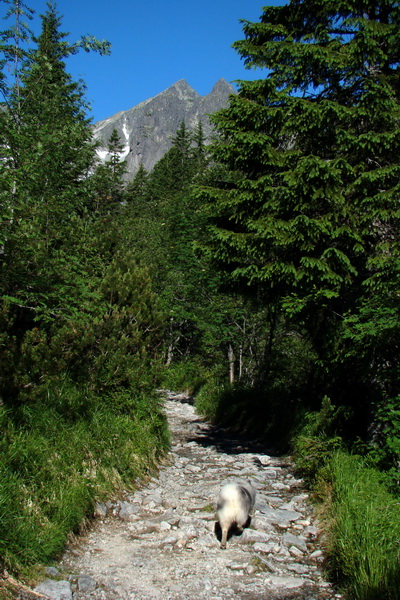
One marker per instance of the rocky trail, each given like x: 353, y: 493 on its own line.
x: 160, y: 542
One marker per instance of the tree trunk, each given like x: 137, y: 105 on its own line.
x: 231, y: 359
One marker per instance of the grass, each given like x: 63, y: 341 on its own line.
x: 363, y: 543
x: 53, y: 469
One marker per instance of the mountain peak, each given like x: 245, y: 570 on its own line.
x: 183, y: 89
x: 223, y: 87
x: 146, y: 129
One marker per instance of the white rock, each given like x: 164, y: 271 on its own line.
x: 266, y: 548
x: 171, y: 539
x: 280, y: 486
x: 289, y: 583
x: 86, y: 584
x: 236, y: 566
x: 55, y: 590
x: 298, y: 568
x: 292, y: 540
x: 252, y: 536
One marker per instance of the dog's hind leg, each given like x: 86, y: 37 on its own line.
x: 224, y: 536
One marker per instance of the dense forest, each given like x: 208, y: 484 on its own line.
x: 259, y: 273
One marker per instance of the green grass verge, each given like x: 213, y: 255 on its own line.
x: 363, y: 542
x: 53, y: 469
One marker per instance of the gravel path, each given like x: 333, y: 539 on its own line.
x: 160, y: 543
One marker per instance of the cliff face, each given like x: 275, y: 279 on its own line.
x: 146, y: 129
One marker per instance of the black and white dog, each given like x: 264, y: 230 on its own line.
x: 235, y: 502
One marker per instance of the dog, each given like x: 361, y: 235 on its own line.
x: 235, y: 502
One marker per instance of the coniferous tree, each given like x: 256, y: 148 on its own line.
x: 50, y: 154
x: 46, y: 260
x: 108, y: 181
x: 136, y: 190
x: 174, y: 171
x: 199, y: 150
x: 11, y: 45
x: 54, y: 147
x: 307, y: 207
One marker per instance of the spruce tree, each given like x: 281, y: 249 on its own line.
x: 137, y: 187
x: 174, y: 171
x: 306, y: 208
x: 51, y: 152
x: 199, y: 151
x: 54, y: 149
x: 108, y: 180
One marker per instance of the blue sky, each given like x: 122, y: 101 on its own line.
x: 154, y: 44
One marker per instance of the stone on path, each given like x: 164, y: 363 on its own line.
x: 56, y: 590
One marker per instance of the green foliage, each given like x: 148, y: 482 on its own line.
x: 208, y: 397
x: 383, y: 450
x: 303, y: 205
x: 298, y: 211
x: 267, y: 415
x: 130, y: 330
x: 80, y: 325
x: 13, y: 40
x: 318, y: 439
x: 175, y: 170
x: 159, y: 224
x: 363, y: 540
x: 136, y: 192
x: 51, y: 142
x: 189, y: 376
x: 271, y: 412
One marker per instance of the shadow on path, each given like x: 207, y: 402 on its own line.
x: 227, y: 441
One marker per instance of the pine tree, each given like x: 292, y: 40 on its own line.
x: 174, y: 171
x: 54, y: 149
x: 108, y: 180
x: 306, y: 208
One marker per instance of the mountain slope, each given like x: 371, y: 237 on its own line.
x: 146, y: 129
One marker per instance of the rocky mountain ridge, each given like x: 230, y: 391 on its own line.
x: 146, y: 129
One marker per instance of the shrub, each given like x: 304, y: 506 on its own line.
x: 186, y: 376
x: 317, y: 440
x: 384, y: 449
x: 207, y: 398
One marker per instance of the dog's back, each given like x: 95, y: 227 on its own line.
x: 235, y: 502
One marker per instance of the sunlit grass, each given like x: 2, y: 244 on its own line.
x: 364, y: 536
x: 53, y: 470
